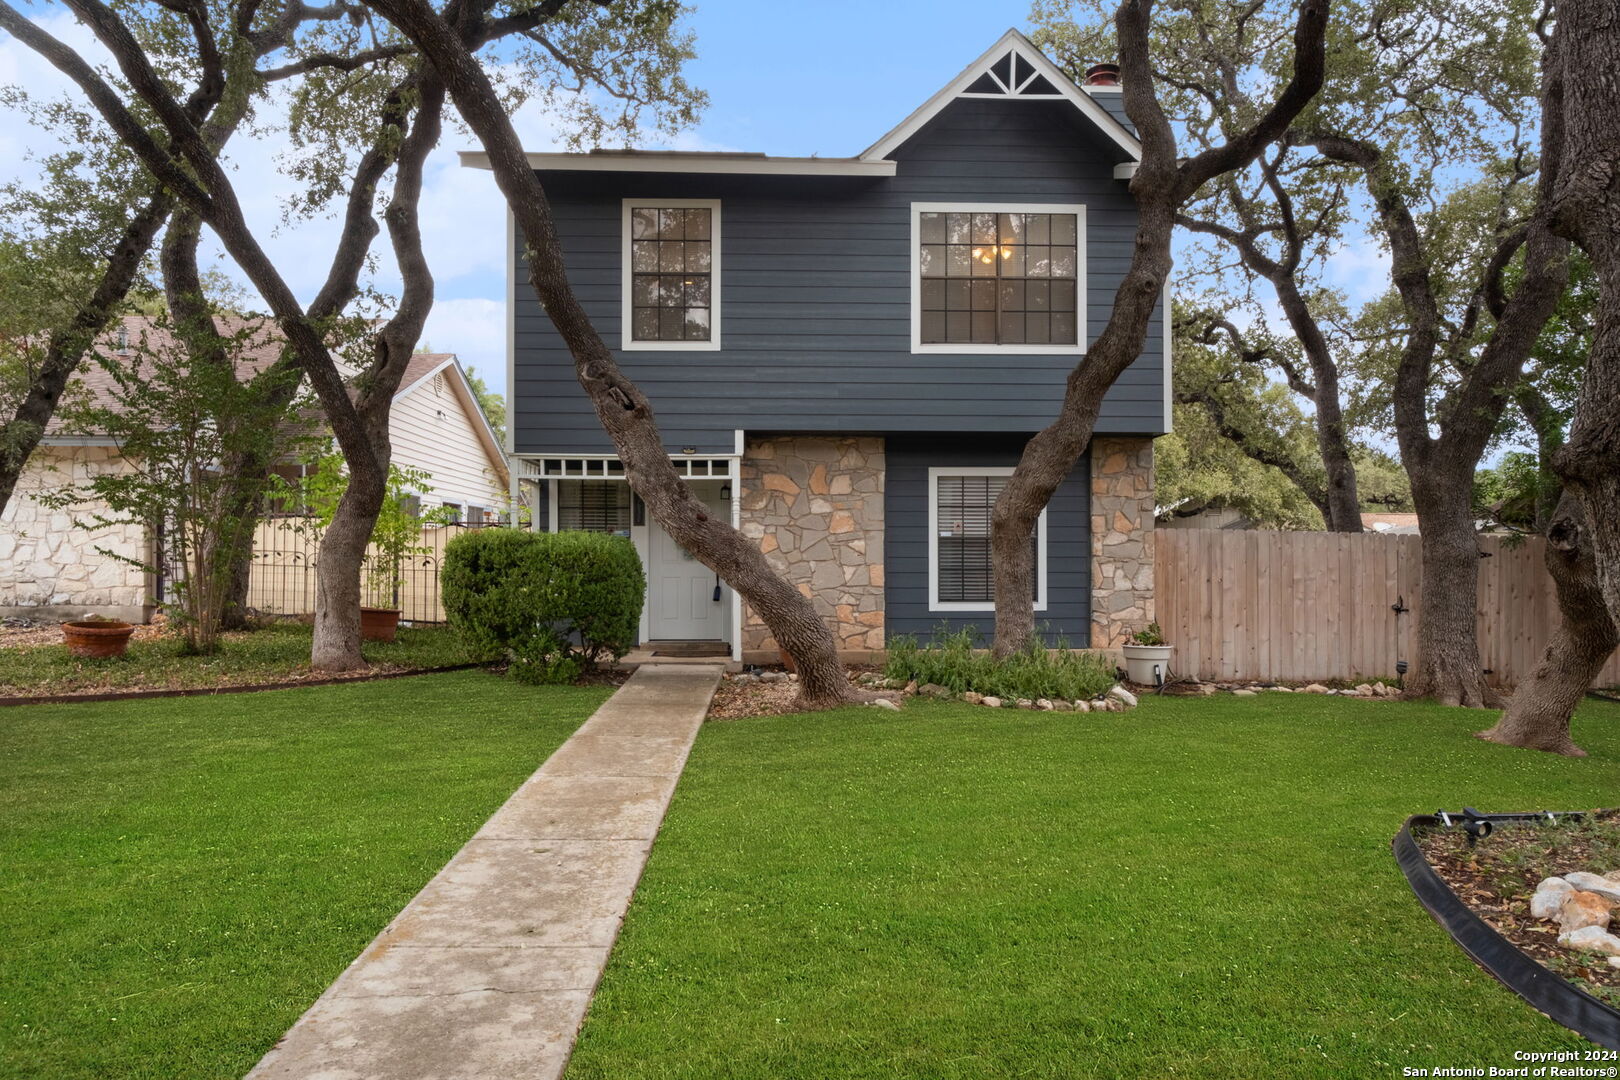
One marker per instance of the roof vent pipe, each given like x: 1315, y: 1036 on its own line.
x: 1102, y: 75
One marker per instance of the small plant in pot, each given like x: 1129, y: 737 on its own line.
x: 1147, y: 656
x: 396, y: 537
x: 97, y: 638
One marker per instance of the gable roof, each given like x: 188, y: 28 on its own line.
x: 261, y: 346
x: 1015, y: 69
x: 420, y: 372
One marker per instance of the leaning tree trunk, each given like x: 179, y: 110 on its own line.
x: 1448, y: 664
x: 1538, y: 716
x: 65, y: 349
x: 1162, y: 186
x: 1586, y: 209
x: 624, y: 411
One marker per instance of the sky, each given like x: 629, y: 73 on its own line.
x: 790, y: 79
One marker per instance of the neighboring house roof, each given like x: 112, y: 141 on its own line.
x: 94, y: 385
x: 1011, y: 68
x: 1390, y: 523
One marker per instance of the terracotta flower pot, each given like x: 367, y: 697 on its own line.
x: 378, y: 624
x: 97, y: 639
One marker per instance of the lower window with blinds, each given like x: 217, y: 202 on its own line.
x: 961, y: 569
x: 593, y: 506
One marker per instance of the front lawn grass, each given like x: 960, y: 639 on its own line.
x: 278, y: 652
x: 183, y: 877
x: 1198, y: 888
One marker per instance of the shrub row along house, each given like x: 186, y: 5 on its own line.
x: 51, y: 567
x: 846, y: 356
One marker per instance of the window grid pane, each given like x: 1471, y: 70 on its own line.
x: 962, y: 528
x: 671, y: 262
x: 999, y: 279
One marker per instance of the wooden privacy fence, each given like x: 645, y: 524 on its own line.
x: 283, y: 578
x: 1300, y: 606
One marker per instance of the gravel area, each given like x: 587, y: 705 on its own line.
x: 1497, y: 877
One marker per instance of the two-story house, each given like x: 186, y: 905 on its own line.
x: 847, y: 355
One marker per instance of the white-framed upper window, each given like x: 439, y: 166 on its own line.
x: 671, y: 277
x: 998, y: 277
x: 961, y: 571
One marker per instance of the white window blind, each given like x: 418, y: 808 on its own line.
x: 965, y: 568
x: 593, y: 506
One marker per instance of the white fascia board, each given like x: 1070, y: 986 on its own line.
x: 675, y: 163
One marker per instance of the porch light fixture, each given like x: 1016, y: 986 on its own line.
x: 725, y: 491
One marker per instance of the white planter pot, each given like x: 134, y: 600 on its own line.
x: 1148, y: 664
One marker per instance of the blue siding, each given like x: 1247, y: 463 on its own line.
x: 816, y: 295
x: 905, y: 540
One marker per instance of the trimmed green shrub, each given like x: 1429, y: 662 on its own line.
x: 957, y: 662
x: 554, y: 604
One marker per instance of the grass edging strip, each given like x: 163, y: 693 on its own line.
x: 203, y: 691
x: 1551, y: 995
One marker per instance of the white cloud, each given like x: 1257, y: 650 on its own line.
x: 473, y: 328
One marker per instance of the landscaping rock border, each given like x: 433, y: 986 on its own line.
x: 1549, y: 993
x: 1117, y: 699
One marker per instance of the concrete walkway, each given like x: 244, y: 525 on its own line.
x: 487, y: 973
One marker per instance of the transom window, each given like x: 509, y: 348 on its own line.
x: 962, y: 570
x: 671, y: 270
x: 998, y: 277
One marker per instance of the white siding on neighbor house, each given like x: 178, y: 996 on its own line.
x: 46, y: 560
x: 433, y: 432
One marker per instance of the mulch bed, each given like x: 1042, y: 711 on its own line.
x: 1497, y: 877
x: 736, y: 700
x: 26, y: 633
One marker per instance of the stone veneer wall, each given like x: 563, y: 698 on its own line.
x: 815, y: 505
x: 1121, y: 539
x: 50, y: 566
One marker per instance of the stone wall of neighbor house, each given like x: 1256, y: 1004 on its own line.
x: 1121, y: 539
x: 49, y: 566
x: 814, y: 504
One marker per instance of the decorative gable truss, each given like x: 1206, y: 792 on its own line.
x: 1013, y: 68
x: 1012, y: 76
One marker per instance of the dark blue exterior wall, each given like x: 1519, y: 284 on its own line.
x: 905, y: 512
x: 816, y: 306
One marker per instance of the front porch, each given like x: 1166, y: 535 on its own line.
x: 686, y: 604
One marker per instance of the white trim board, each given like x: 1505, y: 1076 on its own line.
x: 677, y: 162
x: 1080, y: 339
x: 934, y: 602
x: 626, y: 342
x: 1014, y: 42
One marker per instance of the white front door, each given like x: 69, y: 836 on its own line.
x: 681, y: 604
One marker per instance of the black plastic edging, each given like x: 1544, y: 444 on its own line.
x: 209, y: 691
x: 1551, y: 994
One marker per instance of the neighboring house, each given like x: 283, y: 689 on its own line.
x: 847, y: 355
x: 436, y: 425
x: 51, y: 568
